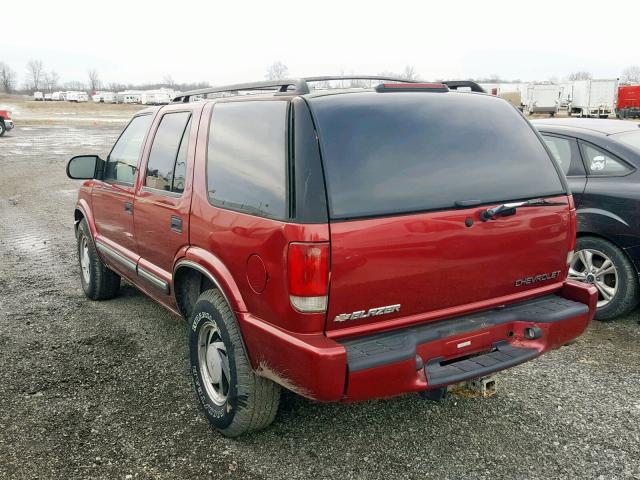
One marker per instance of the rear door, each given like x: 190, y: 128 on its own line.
x: 112, y: 196
x: 408, y: 175
x: 163, y: 199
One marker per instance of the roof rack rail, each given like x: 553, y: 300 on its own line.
x: 280, y: 86
x: 456, y: 84
x: 300, y: 85
x: 357, y: 77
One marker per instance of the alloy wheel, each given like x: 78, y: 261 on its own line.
x: 594, y: 267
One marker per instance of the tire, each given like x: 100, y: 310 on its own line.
x: 625, y: 298
x: 242, y: 401
x: 2, y: 129
x: 98, y: 281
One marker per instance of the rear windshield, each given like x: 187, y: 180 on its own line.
x: 388, y: 153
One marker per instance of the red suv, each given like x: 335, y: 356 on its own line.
x: 343, y: 244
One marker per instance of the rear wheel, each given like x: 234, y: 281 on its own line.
x: 98, y: 281
x: 234, y: 399
x: 599, y: 262
x: 2, y: 129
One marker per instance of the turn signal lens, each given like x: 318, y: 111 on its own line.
x: 308, y: 276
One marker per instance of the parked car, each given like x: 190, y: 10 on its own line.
x: 601, y: 160
x: 593, y: 98
x: 427, y: 245
x: 5, y: 122
x: 628, y: 101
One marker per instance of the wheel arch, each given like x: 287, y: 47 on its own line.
x: 611, y: 241
x: 195, y: 272
x: 82, y: 211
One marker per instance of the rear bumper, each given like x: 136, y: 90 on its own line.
x: 420, y: 357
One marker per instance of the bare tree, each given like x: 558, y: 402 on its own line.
x: 409, y: 73
x: 580, y: 76
x: 7, y: 78
x: 94, y: 79
x: 35, y: 69
x: 50, y: 81
x: 632, y: 74
x: 54, y: 80
x: 169, y: 81
x: 74, y: 85
x: 277, y: 71
x: 116, y: 87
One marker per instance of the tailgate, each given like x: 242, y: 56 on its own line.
x: 431, y: 262
x: 407, y: 177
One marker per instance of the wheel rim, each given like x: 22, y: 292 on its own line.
x: 214, y: 363
x: 84, y: 260
x: 594, y: 267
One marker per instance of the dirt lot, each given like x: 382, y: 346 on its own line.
x: 25, y: 111
x: 102, y: 389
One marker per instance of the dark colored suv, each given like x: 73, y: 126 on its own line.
x: 601, y: 160
x: 343, y: 244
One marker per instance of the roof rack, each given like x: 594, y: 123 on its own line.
x: 300, y: 85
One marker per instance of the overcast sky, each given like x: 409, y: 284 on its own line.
x: 223, y: 42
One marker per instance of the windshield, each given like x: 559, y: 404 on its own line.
x: 630, y: 138
x: 389, y: 153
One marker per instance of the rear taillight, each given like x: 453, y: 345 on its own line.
x: 573, y: 227
x: 308, y: 274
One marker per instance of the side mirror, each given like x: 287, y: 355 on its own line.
x: 84, y: 167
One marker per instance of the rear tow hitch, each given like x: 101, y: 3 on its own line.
x: 484, y: 387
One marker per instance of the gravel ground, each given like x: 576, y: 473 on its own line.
x: 102, y: 389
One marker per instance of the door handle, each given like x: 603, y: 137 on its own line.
x: 128, y: 207
x: 176, y: 224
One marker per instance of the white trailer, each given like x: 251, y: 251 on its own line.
x: 128, y: 97
x: 38, y: 96
x: 104, y: 97
x: 566, y: 93
x: 148, y: 98
x: 542, y: 98
x: 79, y: 97
x: 593, y: 98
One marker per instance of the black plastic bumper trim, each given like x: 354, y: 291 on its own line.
x: 398, y: 345
x: 503, y: 356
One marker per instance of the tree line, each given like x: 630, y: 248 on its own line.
x: 37, y: 78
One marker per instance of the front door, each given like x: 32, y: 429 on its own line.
x: 112, y: 197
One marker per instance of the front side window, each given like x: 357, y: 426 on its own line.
x: 168, y: 156
x: 246, y: 157
x: 122, y: 162
x: 601, y: 163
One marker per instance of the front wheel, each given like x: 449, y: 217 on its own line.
x: 98, y: 281
x: 601, y: 263
x: 2, y: 129
x: 234, y: 399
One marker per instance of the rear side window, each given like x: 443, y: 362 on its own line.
x: 122, y: 162
x: 168, y: 156
x: 389, y: 153
x: 247, y: 157
x: 600, y: 163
